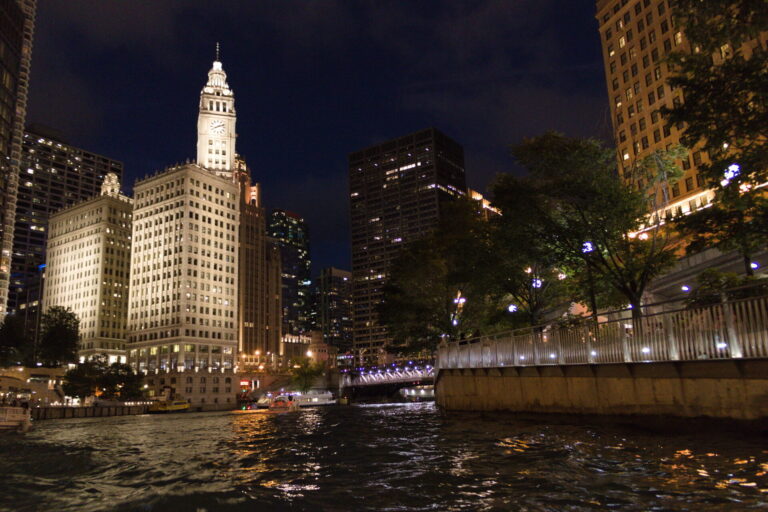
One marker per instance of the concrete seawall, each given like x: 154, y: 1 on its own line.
x: 57, y: 413
x: 734, y: 389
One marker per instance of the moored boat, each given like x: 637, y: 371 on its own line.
x: 166, y: 406
x: 16, y: 419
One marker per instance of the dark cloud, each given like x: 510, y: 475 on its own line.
x: 316, y: 80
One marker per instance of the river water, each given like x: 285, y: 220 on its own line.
x: 409, y: 457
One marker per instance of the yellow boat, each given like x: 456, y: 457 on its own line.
x: 169, y: 406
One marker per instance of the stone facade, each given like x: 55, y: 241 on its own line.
x: 88, y: 262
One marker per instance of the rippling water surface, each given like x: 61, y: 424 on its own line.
x: 379, y: 457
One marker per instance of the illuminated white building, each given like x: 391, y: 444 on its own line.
x: 183, y: 308
x: 88, y: 256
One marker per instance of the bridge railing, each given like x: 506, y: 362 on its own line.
x: 729, y: 330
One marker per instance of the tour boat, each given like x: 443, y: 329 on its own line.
x: 160, y: 406
x: 309, y: 399
x: 283, y: 403
x: 15, y: 418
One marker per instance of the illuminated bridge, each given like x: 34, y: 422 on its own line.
x: 385, y: 376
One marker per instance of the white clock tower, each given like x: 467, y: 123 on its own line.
x: 216, y: 123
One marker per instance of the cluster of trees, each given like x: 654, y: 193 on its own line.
x: 723, y: 83
x: 305, y: 372
x: 574, y: 230
x: 57, y: 342
x: 96, y: 377
x: 570, y: 231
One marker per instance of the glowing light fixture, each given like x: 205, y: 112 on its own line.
x: 731, y: 172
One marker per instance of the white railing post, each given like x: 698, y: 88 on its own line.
x: 625, y: 339
x: 671, y: 339
x: 733, y: 338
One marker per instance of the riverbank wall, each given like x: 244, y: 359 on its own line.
x: 58, y: 413
x: 729, y: 389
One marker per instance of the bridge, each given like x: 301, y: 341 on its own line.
x: 710, y: 360
x: 394, y: 375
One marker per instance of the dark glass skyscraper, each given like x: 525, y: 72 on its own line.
x: 53, y: 175
x: 396, y: 189
x: 333, y: 302
x: 17, y: 21
x: 291, y: 233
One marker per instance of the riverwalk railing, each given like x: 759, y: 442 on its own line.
x: 729, y: 330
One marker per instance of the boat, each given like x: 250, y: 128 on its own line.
x: 164, y: 406
x: 283, y: 403
x: 17, y: 419
x: 308, y: 399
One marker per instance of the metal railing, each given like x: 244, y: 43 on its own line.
x: 729, y: 330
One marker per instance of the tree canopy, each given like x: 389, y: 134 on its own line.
x: 14, y: 340
x: 722, y: 76
x: 96, y: 377
x: 570, y: 231
x: 437, y: 286
x: 587, y: 219
x: 59, y: 337
x: 305, y: 372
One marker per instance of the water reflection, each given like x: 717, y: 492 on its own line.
x: 408, y: 458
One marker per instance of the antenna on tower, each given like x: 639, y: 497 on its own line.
x: 217, y: 51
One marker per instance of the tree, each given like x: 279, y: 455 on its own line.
x: 715, y: 286
x: 575, y: 206
x: 723, y: 84
x: 59, y: 337
x: 95, y: 377
x: 84, y: 380
x: 120, y: 381
x: 435, y: 286
x: 305, y: 372
x: 14, y: 340
x: 734, y: 224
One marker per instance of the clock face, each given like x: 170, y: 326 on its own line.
x: 217, y: 127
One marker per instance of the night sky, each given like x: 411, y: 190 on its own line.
x: 315, y: 80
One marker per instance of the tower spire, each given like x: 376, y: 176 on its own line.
x: 217, y: 52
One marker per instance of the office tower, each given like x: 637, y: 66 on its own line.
x: 636, y: 37
x: 183, y: 304
x: 290, y: 232
x: 54, y: 175
x: 17, y: 19
x: 260, y: 280
x: 396, y: 189
x: 334, y: 307
x: 88, y: 265
x: 482, y: 205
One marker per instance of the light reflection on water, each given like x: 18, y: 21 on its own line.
x: 386, y: 457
